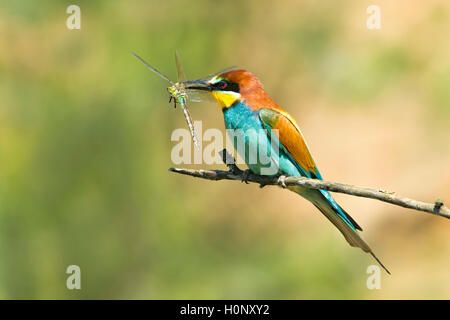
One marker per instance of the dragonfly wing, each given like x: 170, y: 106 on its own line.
x: 181, y: 77
x: 151, y: 68
x: 198, y: 96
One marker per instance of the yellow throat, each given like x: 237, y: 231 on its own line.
x: 225, y: 98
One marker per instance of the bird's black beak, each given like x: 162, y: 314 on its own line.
x: 200, y: 84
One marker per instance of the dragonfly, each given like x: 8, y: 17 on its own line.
x: 178, y: 92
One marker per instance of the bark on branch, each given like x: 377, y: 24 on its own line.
x: 234, y: 173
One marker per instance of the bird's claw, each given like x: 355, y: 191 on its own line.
x: 245, y: 175
x: 437, y: 205
x: 282, y: 181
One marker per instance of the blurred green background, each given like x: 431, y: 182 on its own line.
x: 85, y: 147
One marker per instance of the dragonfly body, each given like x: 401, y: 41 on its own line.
x: 177, y: 92
x: 246, y: 106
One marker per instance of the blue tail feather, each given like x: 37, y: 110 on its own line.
x: 340, y: 212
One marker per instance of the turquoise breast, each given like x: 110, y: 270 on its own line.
x: 246, y: 131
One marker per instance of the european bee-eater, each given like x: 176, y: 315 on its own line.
x: 246, y: 105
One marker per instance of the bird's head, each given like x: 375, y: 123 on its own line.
x: 227, y: 87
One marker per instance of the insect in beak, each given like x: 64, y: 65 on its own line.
x: 177, y: 92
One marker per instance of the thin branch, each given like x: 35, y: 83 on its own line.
x: 235, y: 173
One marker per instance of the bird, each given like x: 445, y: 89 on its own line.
x: 247, y: 107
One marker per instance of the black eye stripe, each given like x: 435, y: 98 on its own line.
x: 222, y: 84
x: 226, y: 86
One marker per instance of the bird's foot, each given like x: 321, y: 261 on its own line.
x: 437, y: 205
x: 385, y: 191
x: 282, y: 181
x: 245, y: 175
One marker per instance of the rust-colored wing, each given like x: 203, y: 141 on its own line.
x: 291, y: 139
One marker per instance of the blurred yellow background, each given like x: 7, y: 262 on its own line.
x: 85, y: 147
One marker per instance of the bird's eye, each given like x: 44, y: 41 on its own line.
x: 222, y: 84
